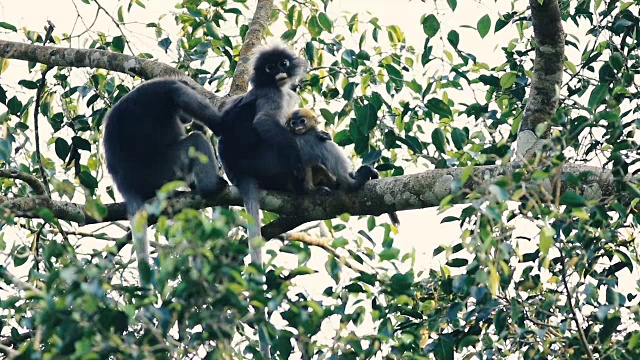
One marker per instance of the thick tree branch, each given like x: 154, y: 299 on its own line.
x: 91, y: 58
x: 257, y: 29
x: 96, y: 59
x: 547, y: 74
x: 380, y: 196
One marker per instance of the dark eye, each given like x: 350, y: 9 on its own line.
x: 303, y: 121
x: 284, y: 63
x: 270, y: 68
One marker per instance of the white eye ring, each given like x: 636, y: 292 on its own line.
x: 284, y: 63
x: 270, y: 68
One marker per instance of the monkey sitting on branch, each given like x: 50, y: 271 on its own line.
x: 326, y: 167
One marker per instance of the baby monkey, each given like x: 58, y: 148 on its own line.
x: 326, y: 167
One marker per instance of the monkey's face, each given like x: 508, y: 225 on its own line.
x: 298, y: 126
x: 300, y: 122
x: 276, y: 66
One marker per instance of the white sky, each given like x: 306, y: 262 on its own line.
x: 420, y: 229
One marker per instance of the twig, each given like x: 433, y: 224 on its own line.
x: 12, y: 341
x: 323, y: 243
x: 581, y: 335
x: 100, y: 7
x: 8, y: 351
x: 36, y: 112
x: 36, y: 185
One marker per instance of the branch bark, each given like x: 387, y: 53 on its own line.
x: 377, y: 197
x: 547, y: 75
x: 257, y: 29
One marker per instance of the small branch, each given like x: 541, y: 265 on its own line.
x: 117, y: 24
x: 257, y: 29
x: 324, y: 243
x: 280, y: 226
x: 36, y: 112
x: 12, y: 341
x: 36, y: 185
x: 576, y: 319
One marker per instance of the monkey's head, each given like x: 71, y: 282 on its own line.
x: 300, y: 121
x: 276, y: 65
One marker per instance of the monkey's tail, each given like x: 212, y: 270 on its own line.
x: 251, y: 196
x: 138, y: 224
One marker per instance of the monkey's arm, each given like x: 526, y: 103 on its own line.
x: 287, y: 149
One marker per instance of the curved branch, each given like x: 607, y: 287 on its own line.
x: 36, y: 185
x: 257, y: 29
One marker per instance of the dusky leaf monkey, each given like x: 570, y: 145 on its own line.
x: 256, y: 150
x: 326, y: 166
x: 146, y: 145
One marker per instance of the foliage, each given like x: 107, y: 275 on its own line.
x: 500, y: 293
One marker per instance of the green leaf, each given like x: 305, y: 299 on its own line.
x: 62, y: 148
x: 598, y: 94
x: 484, y: 24
x: 389, y: 254
x: 348, y: 91
x: 457, y: 262
x: 572, y: 199
x: 430, y: 25
x: 28, y: 84
x: 118, y: 43
x: 438, y: 140
x: 439, y: 107
x: 547, y: 239
x: 8, y: 26
x: 453, y: 4
x: 120, y: 14
x: 507, y: 80
x: 314, y: 26
x: 88, y: 180
x: 616, y: 61
x: 459, y: 138
x: 325, y: 22
x: 454, y: 38
x: 469, y: 340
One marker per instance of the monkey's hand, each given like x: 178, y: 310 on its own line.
x: 366, y: 171
x: 323, y: 135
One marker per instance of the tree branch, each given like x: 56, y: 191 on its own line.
x: 377, y: 197
x: 257, y: 29
x: 547, y: 74
x: 36, y: 185
x: 91, y: 58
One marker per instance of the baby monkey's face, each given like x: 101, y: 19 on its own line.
x: 300, y: 121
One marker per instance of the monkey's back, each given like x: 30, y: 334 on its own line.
x: 326, y: 152
x: 138, y: 131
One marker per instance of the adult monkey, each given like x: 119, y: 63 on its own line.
x: 146, y: 145
x: 256, y: 149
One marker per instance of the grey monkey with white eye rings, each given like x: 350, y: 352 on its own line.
x: 256, y: 149
x: 146, y: 145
